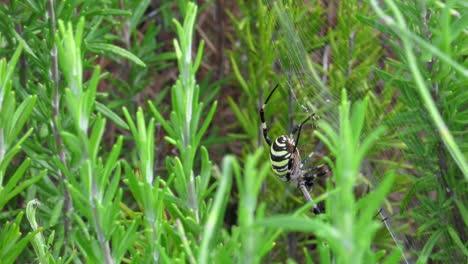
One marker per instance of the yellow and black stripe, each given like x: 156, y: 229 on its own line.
x: 280, y: 156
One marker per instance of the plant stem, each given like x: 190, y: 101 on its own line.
x: 68, y: 206
x: 185, y: 242
x: 102, y: 240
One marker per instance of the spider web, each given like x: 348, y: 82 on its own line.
x: 302, y: 78
x: 308, y: 87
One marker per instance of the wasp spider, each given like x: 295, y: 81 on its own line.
x: 285, y: 158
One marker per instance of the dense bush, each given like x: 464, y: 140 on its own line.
x: 130, y: 131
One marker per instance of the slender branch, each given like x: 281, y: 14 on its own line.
x: 68, y: 206
x: 103, y: 243
x: 185, y: 242
x: 102, y: 240
x: 325, y: 64
x: 349, y: 67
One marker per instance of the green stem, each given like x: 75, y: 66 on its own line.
x: 68, y: 205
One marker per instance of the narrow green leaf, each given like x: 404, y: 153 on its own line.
x: 95, y: 138
x: 112, y: 158
x: 112, y: 187
x: 13, y: 181
x: 12, y: 65
x: 207, y: 122
x: 217, y: 211
x: 72, y: 142
x: 105, y: 47
x: 56, y: 213
x: 238, y: 75
x: 242, y: 119
x: 21, y: 115
x: 138, y: 14
x: 107, y: 112
x: 130, y: 122
x: 302, y: 224
x: 78, y: 33
x: 107, y: 12
x: 21, y: 187
x: 161, y: 120
x: 198, y: 58
x: 454, y: 235
x: 126, y: 242
x: 431, y: 242
x: 463, y: 211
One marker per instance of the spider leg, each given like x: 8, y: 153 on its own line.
x: 381, y: 214
x: 308, y: 198
x: 307, y: 158
x: 316, y: 168
x: 298, y: 129
x: 299, y: 126
x: 262, y: 117
x: 310, y: 178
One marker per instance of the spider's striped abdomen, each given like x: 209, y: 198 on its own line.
x: 281, y: 152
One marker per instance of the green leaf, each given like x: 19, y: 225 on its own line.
x: 56, y: 213
x: 24, y: 185
x: 454, y: 235
x: 431, y: 242
x: 243, y: 118
x: 198, y: 58
x: 161, y: 119
x: 95, y: 139
x: 207, y: 122
x: 12, y: 182
x: 213, y: 221
x: 73, y: 143
x: 107, y: 112
x: 302, y: 224
x: 138, y: 14
x: 20, y: 117
x: 125, y: 241
x: 12, y: 65
x: 112, y: 159
x: 112, y: 187
x: 105, y: 47
x: 463, y: 211
x: 108, y: 12
x: 11, y: 244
